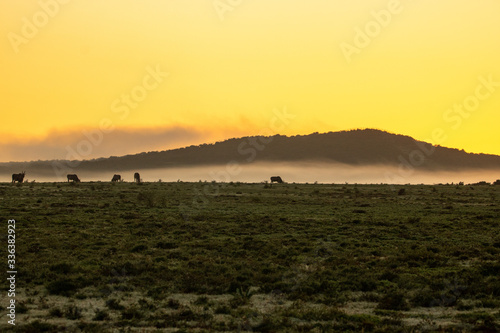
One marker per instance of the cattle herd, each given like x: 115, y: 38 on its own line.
x: 116, y: 178
x: 19, y: 178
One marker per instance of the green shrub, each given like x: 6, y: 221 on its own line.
x: 91, y: 328
x: 492, y: 303
x: 173, y: 303
x: 425, y: 298
x: 56, y: 312
x: 166, y: 245
x: 242, y: 297
x: 100, y: 315
x: 73, y: 313
x: 483, y: 322
x: 38, y: 326
x: 61, y: 268
x: 368, y: 284
x: 201, y: 300
x: 222, y: 309
x: 132, y: 313
x: 393, y: 301
x: 22, y: 308
x: 184, y: 314
x: 64, y: 287
x: 113, y: 304
x: 139, y: 248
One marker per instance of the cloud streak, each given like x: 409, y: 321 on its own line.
x: 58, y: 144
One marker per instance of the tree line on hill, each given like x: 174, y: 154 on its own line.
x: 356, y: 148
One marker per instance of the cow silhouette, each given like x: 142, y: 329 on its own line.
x: 137, y: 177
x: 116, y: 178
x: 74, y: 178
x: 18, y: 177
x: 276, y: 179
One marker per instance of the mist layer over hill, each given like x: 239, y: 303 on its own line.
x: 298, y: 173
x: 371, y: 152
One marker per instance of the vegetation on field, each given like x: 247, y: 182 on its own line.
x: 255, y: 257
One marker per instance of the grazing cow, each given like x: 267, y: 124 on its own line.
x: 74, y: 178
x: 137, y: 177
x: 18, y: 177
x: 116, y: 178
x: 276, y: 179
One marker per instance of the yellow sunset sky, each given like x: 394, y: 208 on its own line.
x: 96, y: 70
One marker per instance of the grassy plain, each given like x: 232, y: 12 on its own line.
x: 207, y: 257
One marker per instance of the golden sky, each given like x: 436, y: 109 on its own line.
x: 129, y: 76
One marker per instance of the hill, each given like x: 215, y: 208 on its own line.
x: 356, y: 147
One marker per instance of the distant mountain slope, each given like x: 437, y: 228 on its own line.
x: 356, y: 147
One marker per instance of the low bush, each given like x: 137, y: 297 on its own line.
x: 394, y: 300
x: 113, y: 304
x: 73, y: 312
x: 100, y: 315
x: 63, y: 287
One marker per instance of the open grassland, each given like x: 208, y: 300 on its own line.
x: 207, y: 257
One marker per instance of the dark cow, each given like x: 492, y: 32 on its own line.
x: 276, y: 179
x: 116, y: 178
x: 18, y: 177
x: 137, y: 177
x: 74, y: 178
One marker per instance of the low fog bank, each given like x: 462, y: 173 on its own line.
x: 297, y: 172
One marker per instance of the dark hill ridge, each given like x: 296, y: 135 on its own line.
x: 356, y: 147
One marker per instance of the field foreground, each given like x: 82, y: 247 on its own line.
x: 209, y: 257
